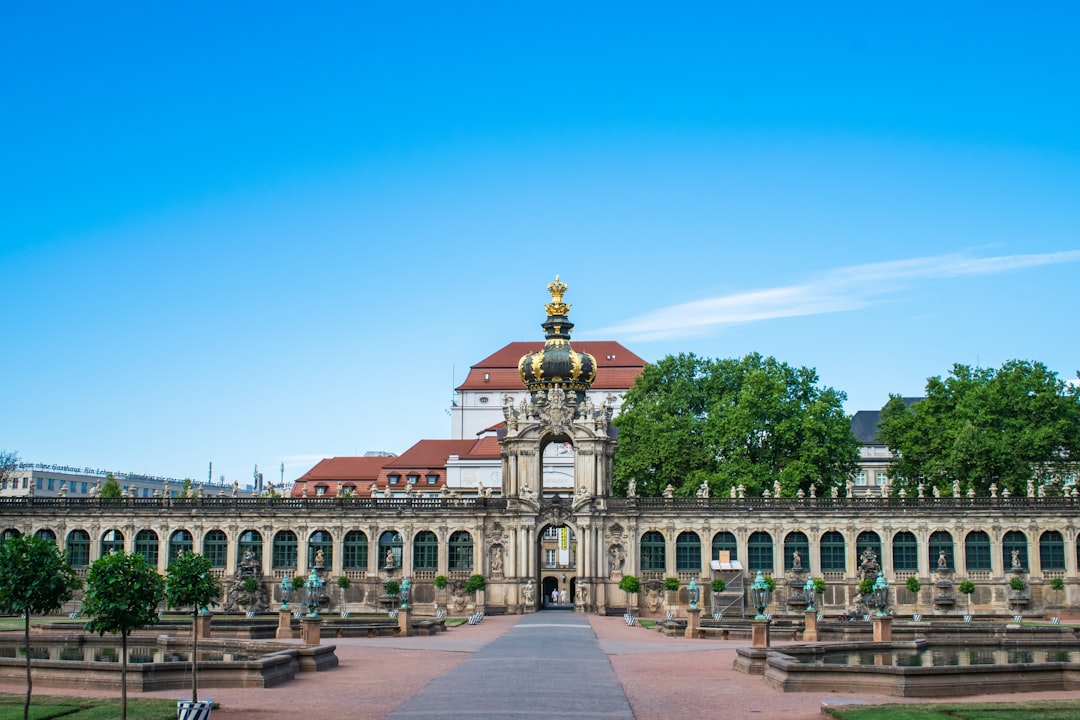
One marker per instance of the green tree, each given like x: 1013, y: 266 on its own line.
x: 123, y: 592
x: 9, y: 461
x: 35, y: 579
x: 631, y: 586
x: 914, y: 586
x: 475, y: 583
x: 967, y: 587
x: 979, y: 426
x: 190, y: 582
x: 111, y: 487
x: 753, y: 421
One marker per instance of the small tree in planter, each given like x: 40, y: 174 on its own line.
x: 440, y: 584
x: 967, y: 587
x: 35, y: 578
x: 122, y: 595
x: 392, y: 588
x: 671, y: 585
x: 475, y: 584
x: 914, y: 586
x: 344, y: 583
x: 631, y: 586
x: 1057, y: 584
x: 189, y: 581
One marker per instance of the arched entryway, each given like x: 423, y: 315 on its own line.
x: 557, y: 564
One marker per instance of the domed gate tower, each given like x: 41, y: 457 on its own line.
x: 558, y: 410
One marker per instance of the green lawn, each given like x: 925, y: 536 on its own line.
x: 1043, y: 710
x: 44, y: 707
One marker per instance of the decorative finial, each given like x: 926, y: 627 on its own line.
x: 557, y: 306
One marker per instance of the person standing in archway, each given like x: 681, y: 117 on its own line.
x: 555, y: 596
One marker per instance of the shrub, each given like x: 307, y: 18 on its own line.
x: 474, y: 583
x: 250, y: 585
x: 913, y: 585
x: 630, y: 584
x: 718, y: 585
x: 967, y: 587
x: 440, y: 581
x: 819, y: 586
x: 391, y: 587
x: 1057, y: 584
x: 671, y: 583
x: 298, y: 582
x: 866, y: 587
x: 1017, y: 584
x: 771, y: 583
x: 343, y: 582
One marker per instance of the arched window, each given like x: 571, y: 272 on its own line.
x: 977, y: 551
x: 425, y: 554
x: 905, y: 552
x: 78, y: 548
x: 724, y: 541
x: 283, y: 550
x: 251, y: 541
x: 390, y: 549
x: 868, y: 540
x: 941, y: 542
x: 833, y: 552
x: 688, y: 552
x: 1014, y: 551
x: 180, y: 542
x: 146, y: 544
x: 653, y: 552
x: 215, y: 547
x: 112, y: 541
x: 354, y: 551
x: 796, y: 542
x: 320, y: 540
x: 46, y: 534
x: 461, y: 551
x: 1051, y: 551
x: 759, y: 552
x: 9, y: 533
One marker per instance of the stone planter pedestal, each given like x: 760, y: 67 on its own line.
x: 284, y: 625
x: 759, y: 633
x: 810, y: 633
x: 311, y: 633
x: 882, y: 628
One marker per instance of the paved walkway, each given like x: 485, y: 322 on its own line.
x: 548, y: 664
x: 551, y: 663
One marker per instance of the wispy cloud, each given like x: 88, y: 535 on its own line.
x: 839, y: 290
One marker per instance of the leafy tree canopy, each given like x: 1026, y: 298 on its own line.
x: 8, y: 462
x: 35, y: 578
x: 980, y: 426
x: 750, y: 421
x: 122, y: 594
x: 111, y: 487
x: 190, y: 582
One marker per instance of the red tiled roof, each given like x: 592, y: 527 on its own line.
x: 616, y: 367
x: 484, y: 447
x: 358, y: 471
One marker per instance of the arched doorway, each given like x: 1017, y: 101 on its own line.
x: 557, y: 565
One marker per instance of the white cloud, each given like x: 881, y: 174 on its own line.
x: 839, y: 290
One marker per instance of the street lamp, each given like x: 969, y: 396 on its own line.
x: 810, y: 589
x: 312, y: 587
x: 406, y: 586
x: 759, y: 596
x: 286, y: 588
x: 881, y: 595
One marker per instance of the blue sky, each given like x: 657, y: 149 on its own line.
x: 250, y: 233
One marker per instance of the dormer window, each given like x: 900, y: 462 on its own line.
x: 393, y: 479
x: 320, y: 490
x: 413, y: 479
x: 432, y: 479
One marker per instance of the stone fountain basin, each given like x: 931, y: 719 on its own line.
x: 264, y: 664
x: 799, y: 668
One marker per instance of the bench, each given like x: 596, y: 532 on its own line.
x: 423, y: 627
